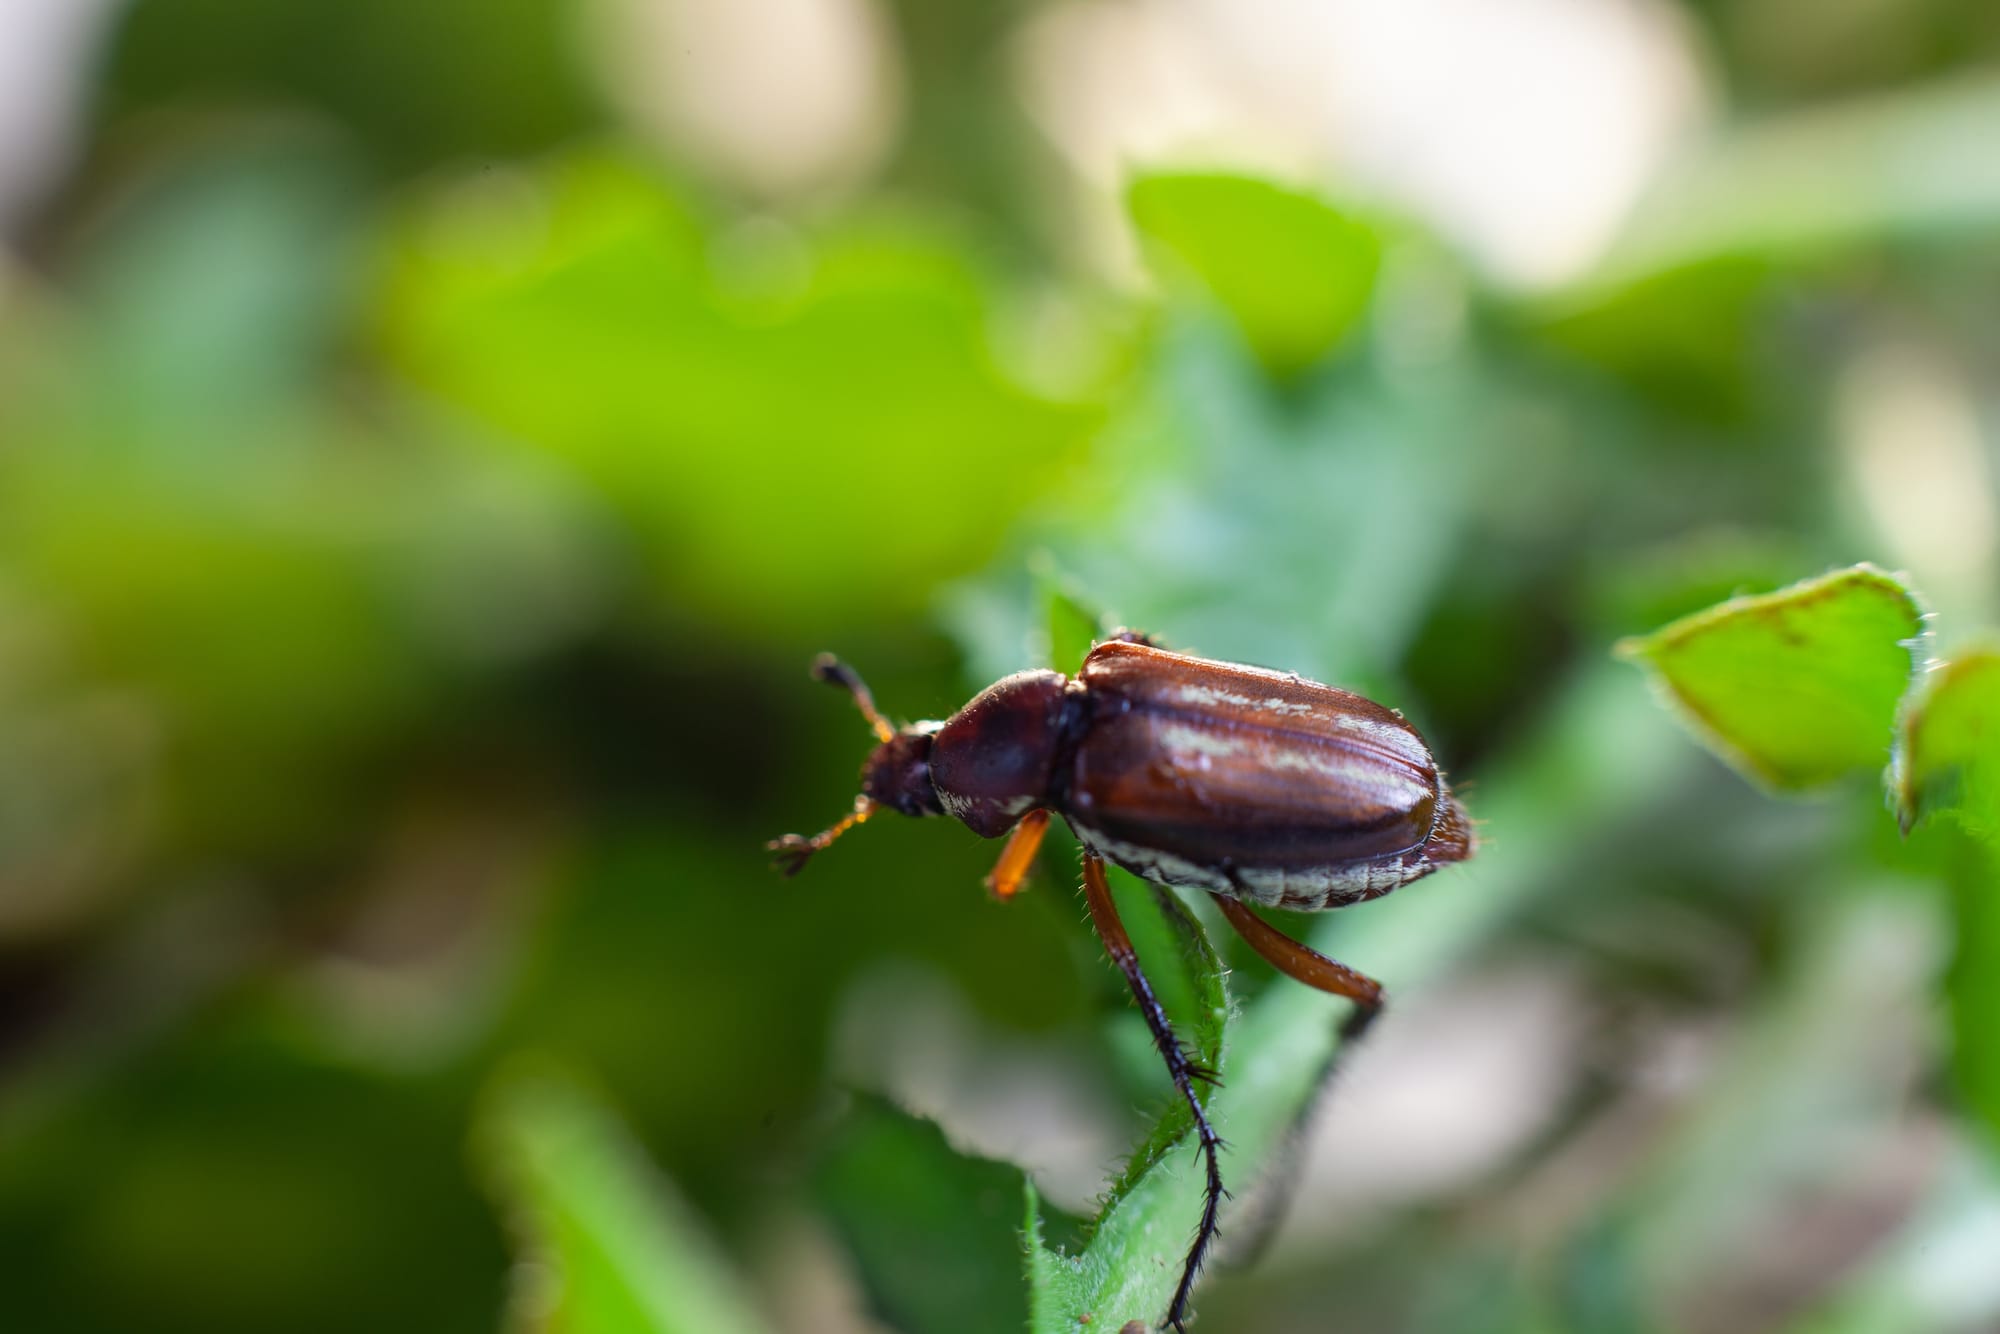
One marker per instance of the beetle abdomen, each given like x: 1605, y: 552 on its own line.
x: 1239, y: 779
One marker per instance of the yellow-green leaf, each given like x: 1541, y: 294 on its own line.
x: 1072, y: 625
x: 1948, y: 758
x: 1294, y: 273
x: 1795, y: 688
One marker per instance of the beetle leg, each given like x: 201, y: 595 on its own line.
x: 1128, y: 636
x: 1305, y: 963
x: 795, y: 851
x: 1018, y: 855
x: 1104, y: 916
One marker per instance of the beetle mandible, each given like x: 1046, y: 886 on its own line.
x: 1257, y: 786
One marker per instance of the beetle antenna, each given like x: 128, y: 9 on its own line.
x: 795, y: 851
x: 834, y: 672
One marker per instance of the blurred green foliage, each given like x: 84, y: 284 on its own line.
x: 1294, y: 275
x: 1831, y: 655
x: 515, y: 82
x: 929, y: 1224
x: 616, y: 1250
x: 1800, y: 686
x: 419, y: 501
x: 691, y: 381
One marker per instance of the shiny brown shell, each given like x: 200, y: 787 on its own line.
x: 1253, y: 782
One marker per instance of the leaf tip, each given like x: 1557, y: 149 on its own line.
x: 1633, y: 648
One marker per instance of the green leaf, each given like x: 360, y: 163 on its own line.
x: 1051, y: 1277
x: 930, y: 1228
x: 1795, y: 688
x: 1071, y: 624
x: 1207, y: 1018
x: 1948, y: 759
x: 1132, y: 1262
x: 1192, y: 989
x: 629, y: 1257
x: 1294, y: 273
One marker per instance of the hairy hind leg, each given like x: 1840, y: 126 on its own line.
x: 1104, y: 915
x: 1305, y: 964
x: 1301, y: 961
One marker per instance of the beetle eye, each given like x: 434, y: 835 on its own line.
x: 898, y: 774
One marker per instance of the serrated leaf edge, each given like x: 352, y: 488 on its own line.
x: 1637, y: 649
x: 1906, y: 802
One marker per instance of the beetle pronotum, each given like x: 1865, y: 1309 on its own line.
x: 1257, y: 786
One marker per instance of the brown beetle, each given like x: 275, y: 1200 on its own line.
x: 1257, y: 786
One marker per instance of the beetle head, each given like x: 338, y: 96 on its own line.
x: 898, y: 773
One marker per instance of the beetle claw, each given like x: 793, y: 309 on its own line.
x: 793, y: 852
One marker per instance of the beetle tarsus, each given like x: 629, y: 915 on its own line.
x: 1358, y: 1021
x: 793, y: 852
x: 1213, y: 1195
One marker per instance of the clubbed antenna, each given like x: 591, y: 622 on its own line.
x: 794, y: 851
x: 834, y: 672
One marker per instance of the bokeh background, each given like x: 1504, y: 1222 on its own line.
x: 434, y: 438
